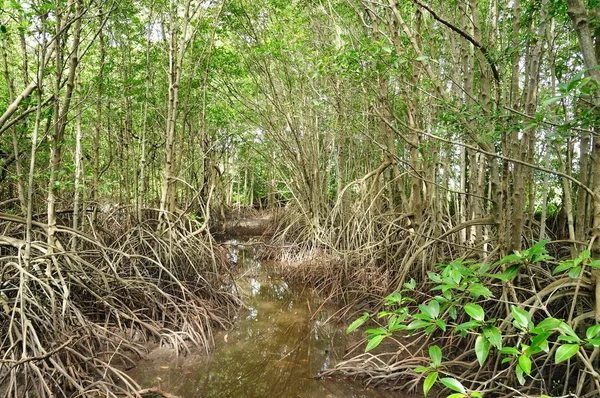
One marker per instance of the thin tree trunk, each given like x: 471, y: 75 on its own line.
x: 462, y: 215
x: 60, y: 113
x: 176, y: 53
x: 15, y: 139
x: 545, y: 192
x: 581, y: 221
x: 97, y: 131
x: 251, y: 192
x: 565, y: 168
x: 78, y: 165
x: 34, y: 145
x: 147, y: 81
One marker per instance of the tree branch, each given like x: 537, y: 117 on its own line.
x: 475, y: 43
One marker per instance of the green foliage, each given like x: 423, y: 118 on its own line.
x: 357, y: 323
x: 429, y: 382
x: 576, y: 265
x: 435, y: 356
x: 461, y: 284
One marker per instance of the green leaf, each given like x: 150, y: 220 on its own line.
x: 423, y: 317
x: 432, y: 310
x: 568, y: 330
x: 525, y: 364
x: 452, y: 313
x: 482, y: 349
x: 570, y: 339
x: 435, y: 353
x: 477, y: 289
x: 595, y: 342
x: 421, y: 369
x: 547, y: 325
x: 441, y: 324
x: 418, y: 324
x: 493, y: 335
x: 509, y: 273
x: 584, y: 255
x: 402, y: 313
x: 522, y: 318
x: 410, y: 285
x: 357, y: 323
x: 429, y: 381
x: 563, y: 266
x: 392, y: 299
x: 457, y: 395
x: 375, y: 341
x: 434, y: 277
x: 576, y: 79
x: 565, y: 352
x: 448, y: 295
x: 456, y: 275
x: 378, y: 331
x: 595, y: 263
x: 574, y: 273
x: 511, y: 258
x: 539, y: 343
x: 453, y: 384
x: 592, y: 331
x: 422, y: 58
x: 538, y: 248
x: 475, y: 311
x: 509, y: 351
x: 468, y: 325
x: 392, y: 321
x: 519, y: 373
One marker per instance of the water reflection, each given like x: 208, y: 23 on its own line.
x: 275, y: 350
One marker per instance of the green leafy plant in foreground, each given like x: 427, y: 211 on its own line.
x: 458, y: 285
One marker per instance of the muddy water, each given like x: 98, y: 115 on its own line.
x: 279, y: 343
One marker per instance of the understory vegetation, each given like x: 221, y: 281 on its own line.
x: 435, y: 164
x: 543, y: 336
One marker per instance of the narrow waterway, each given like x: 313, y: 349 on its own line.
x: 279, y: 343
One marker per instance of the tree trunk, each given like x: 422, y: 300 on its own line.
x: 61, y: 111
x: 580, y: 19
x: 97, y: 131
x: 34, y: 144
x: 176, y: 54
x: 78, y: 165
x: 15, y: 139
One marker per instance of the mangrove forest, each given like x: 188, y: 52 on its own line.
x: 299, y: 198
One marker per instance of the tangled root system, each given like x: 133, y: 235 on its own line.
x: 73, y: 321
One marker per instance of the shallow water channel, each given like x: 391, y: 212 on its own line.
x: 277, y: 346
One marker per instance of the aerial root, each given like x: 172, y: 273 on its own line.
x: 74, y: 322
